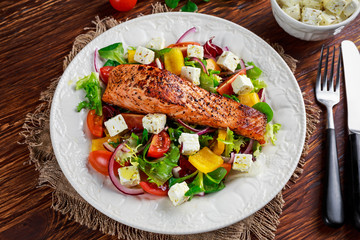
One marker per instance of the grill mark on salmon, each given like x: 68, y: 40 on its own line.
x: 146, y: 89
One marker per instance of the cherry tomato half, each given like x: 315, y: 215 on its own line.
x: 133, y: 121
x: 95, y: 123
x: 152, y: 188
x: 99, y: 160
x: 105, y: 72
x: 123, y: 5
x: 227, y: 167
x: 225, y: 87
x: 159, y: 145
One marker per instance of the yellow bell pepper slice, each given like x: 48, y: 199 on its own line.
x: 249, y: 99
x: 131, y: 54
x: 205, y: 160
x: 218, y: 147
x: 174, y: 61
x: 97, y: 144
x: 211, y: 64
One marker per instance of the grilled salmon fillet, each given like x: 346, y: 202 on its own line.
x: 147, y: 89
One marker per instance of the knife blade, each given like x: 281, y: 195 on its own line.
x: 351, y: 63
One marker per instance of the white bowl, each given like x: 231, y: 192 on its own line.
x: 304, y: 31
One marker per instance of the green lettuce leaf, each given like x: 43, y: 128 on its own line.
x: 257, y: 149
x: 264, y: 108
x: 160, y: 170
x: 253, y: 73
x: 114, y: 52
x: 91, y: 85
x: 270, y: 132
x: 232, y: 142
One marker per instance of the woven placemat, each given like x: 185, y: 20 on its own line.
x: 261, y: 225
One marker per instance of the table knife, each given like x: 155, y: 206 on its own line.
x: 351, y: 63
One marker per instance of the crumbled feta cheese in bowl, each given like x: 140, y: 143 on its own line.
x: 314, y: 20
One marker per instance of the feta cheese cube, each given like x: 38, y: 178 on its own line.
x: 314, y: 4
x: 156, y: 43
x: 195, y: 51
x: 144, y: 55
x: 242, y: 85
x: 129, y: 176
x: 242, y: 162
x: 351, y: 8
x: 293, y: 11
x: 327, y: 18
x: 116, y: 125
x: 228, y: 61
x: 289, y: 3
x: 177, y: 193
x: 154, y: 123
x: 336, y: 6
x: 191, y: 73
x: 190, y: 143
x: 311, y: 16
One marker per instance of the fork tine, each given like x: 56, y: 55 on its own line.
x: 337, y: 88
x: 318, y: 77
x: 331, y: 77
x: 325, y: 82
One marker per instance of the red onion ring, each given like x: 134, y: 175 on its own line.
x: 193, y: 29
x: 208, y: 56
x: 206, y: 130
x: 249, y: 148
x: 232, y: 157
x: 198, y: 132
x: 115, y: 180
x: 236, y: 71
x: 201, y: 194
x: 108, y: 147
x: 249, y: 67
x: 242, y: 64
x: 158, y: 63
x: 187, y: 126
x: 201, y: 63
x: 261, y: 95
x: 176, y: 171
x: 95, y: 60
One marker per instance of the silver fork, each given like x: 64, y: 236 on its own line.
x: 329, y: 95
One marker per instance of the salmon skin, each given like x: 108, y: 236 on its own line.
x: 147, y: 89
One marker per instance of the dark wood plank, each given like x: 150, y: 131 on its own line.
x: 37, y: 35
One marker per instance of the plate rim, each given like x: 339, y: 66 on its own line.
x: 235, y: 25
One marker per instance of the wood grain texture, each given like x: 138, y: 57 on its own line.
x: 35, y: 36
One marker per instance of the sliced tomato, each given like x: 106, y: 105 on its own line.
x: 227, y: 167
x: 183, y: 46
x: 99, y: 160
x: 133, y: 121
x: 105, y: 72
x: 159, y: 145
x: 95, y: 124
x: 225, y: 87
x: 152, y: 188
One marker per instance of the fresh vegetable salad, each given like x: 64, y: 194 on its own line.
x: 161, y: 156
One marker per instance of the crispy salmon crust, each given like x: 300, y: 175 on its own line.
x: 147, y: 89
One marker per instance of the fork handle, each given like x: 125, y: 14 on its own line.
x: 333, y: 208
x: 354, y: 141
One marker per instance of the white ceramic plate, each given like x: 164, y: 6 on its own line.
x: 242, y: 196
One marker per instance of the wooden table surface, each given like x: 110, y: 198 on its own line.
x: 35, y: 36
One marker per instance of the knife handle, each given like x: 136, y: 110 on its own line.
x: 354, y: 141
x: 333, y: 208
